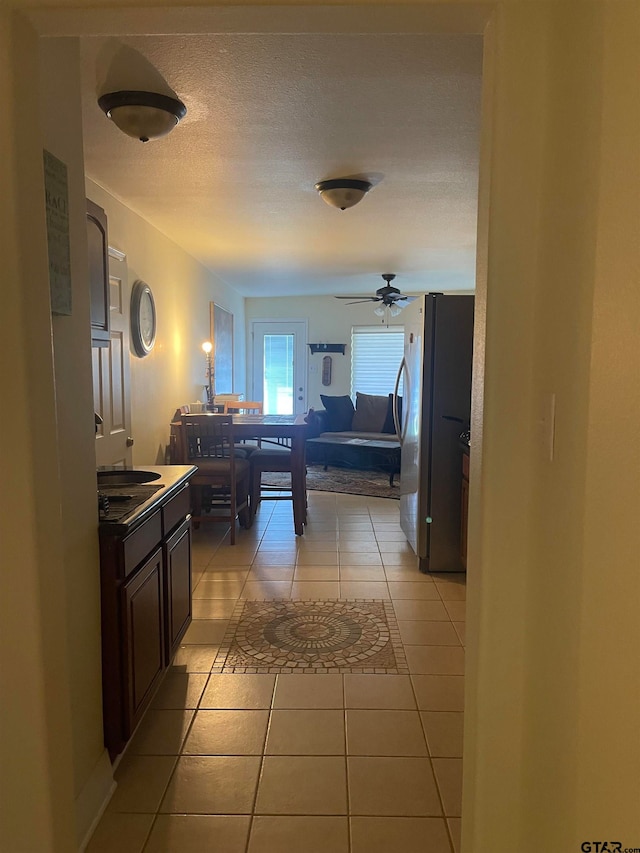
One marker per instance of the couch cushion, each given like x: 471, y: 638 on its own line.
x: 371, y: 411
x: 360, y: 436
x: 389, y: 425
x: 340, y: 412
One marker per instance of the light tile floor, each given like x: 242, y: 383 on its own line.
x: 278, y: 763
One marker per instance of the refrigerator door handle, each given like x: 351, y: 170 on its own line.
x: 401, y: 433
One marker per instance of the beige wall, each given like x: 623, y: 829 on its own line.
x: 174, y: 372
x: 62, y: 124
x: 552, y: 748
x: 608, y: 664
x: 551, y: 754
x: 37, y: 752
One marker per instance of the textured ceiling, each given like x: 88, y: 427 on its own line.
x: 268, y: 116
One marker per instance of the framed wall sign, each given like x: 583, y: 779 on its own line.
x: 57, y: 213
x: 221, y: 322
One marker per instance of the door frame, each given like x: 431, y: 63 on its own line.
x: 96, y: 21
x: 114, y: 442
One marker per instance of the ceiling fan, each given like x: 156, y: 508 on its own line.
x: 387, y: 295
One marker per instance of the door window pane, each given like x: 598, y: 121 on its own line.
x: 277, y: 391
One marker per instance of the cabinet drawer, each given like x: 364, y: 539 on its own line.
x: 465, y: 465
x: 176, y: 510
x: 141, y: 542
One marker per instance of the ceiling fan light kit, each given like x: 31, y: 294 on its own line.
x: 142, y: 115
x: 388, y: 296
x: 343, y: 192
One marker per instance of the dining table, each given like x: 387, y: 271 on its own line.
x: 276, y: 427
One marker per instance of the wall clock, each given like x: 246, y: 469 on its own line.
x: 143, y: 318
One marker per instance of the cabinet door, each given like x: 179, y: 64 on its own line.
x: 177, y: 564
x: 98, y: 246
x: 143, y: 638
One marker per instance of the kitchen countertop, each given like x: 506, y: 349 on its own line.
x: 172, y: 479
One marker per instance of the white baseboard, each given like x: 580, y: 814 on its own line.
x: 93, y: 800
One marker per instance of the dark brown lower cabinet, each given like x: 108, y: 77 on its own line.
x: 143, y: 633
x: 177, y: 579
x: 146, y: 609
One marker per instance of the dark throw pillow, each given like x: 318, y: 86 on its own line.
x: 340, y: 413
x: 389, y: 426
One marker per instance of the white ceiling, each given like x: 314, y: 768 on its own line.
x: 269, y: 116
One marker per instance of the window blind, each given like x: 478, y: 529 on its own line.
x: 375, y: 359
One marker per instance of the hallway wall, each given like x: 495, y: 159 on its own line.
x: 553, y: 686
x: 174, y: 372
x: 36, y: 747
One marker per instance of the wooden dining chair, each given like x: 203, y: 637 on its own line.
x: 220, y: 488
x: 275, y: 458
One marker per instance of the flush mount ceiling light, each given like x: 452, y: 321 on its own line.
x: 343, y: 192
x: 142, y: 115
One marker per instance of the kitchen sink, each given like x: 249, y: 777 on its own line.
x: 123, y: 477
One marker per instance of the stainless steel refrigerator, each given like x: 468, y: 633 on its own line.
x: 434, y: 411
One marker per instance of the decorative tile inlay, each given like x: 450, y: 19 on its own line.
x: 312, y: 636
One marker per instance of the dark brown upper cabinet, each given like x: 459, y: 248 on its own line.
x: 98, y: 243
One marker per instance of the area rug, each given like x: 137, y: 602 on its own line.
x: 320, y: 636
x: 346, y: 480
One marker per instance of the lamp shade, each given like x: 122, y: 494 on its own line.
x: 142, y: 115
x: 343, y: 192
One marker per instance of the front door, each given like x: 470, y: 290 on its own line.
x: 280, y: 366
x: 111, y: 383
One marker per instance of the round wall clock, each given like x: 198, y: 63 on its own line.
x: 143, y: 319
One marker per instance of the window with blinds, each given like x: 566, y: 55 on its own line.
x: 376, y: 354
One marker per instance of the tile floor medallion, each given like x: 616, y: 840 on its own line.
x: 312, y: 637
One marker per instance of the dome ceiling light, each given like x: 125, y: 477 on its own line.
x: 343, y: 192
x: 142, y: 115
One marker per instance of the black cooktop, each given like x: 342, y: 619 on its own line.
x: 117, y: 502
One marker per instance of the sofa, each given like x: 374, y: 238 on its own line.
x: 339, y: 433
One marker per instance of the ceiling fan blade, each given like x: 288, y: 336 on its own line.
x: 359, y: 298
x: 401, y: 298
